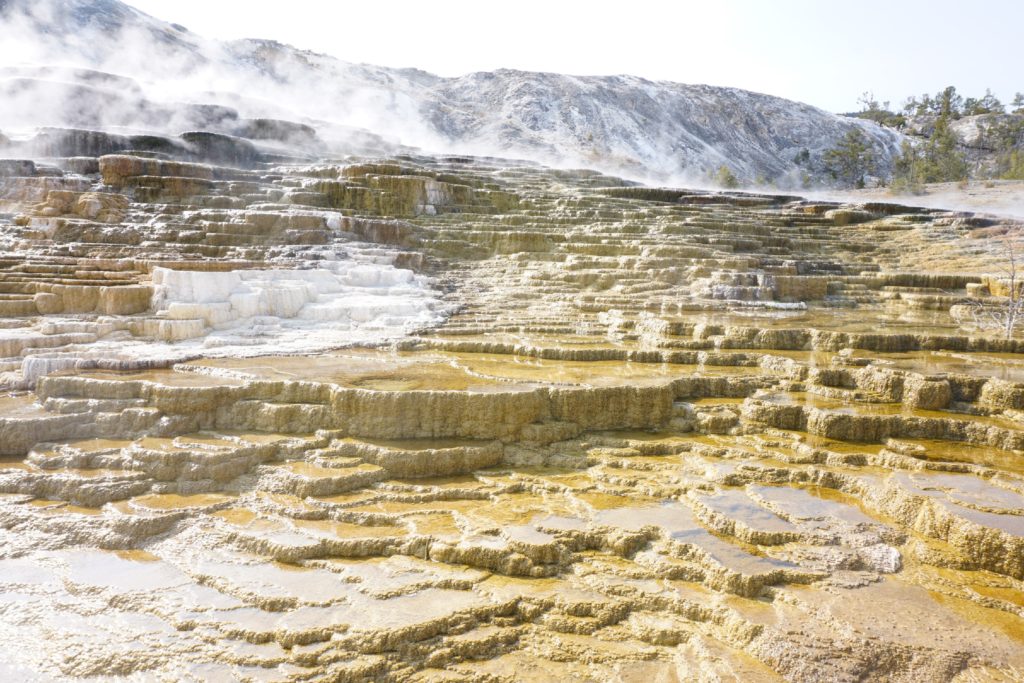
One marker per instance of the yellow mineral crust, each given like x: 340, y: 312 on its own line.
x: 579, y: 431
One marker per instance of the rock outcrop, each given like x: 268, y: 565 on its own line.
x: 426, y: 418
x: 623, y: 124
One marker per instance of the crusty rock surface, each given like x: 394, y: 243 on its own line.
x: 580, y: 430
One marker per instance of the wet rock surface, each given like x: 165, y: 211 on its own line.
x: 457, y: 419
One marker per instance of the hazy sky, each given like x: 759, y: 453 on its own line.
x: 824, y: 52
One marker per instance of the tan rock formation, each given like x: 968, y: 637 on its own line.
x: 579, y: 430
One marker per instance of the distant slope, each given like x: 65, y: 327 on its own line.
x: 664, y: 127
x: 626, y: 124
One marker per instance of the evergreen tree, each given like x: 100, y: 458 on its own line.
x: 936, y: 161
x: 939, y: 159
x: 879, y: 112
x: 851, y: 159
x: 919, y: 107
x: 725, y: 177
x: 908, y: 169
x: 989, y: 104
x: 946, y: 161
x: 950, y: 104
x: 1011, y: 165
x: 1006, y: 137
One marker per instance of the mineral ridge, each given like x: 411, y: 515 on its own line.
x: 468, y: 419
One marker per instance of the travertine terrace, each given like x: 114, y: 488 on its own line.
x: 465, y: 419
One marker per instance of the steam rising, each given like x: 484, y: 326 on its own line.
x: 100, y: 64
x: 106, y: 66
x: 1000, y: 197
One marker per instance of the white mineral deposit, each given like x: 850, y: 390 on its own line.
x: 287, y: 398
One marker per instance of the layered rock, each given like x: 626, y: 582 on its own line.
x: 465, y: 419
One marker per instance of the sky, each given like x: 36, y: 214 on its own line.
x: 824, y: 52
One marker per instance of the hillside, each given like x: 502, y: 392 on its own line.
x: 645, y: 129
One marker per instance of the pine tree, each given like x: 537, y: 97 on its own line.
x: 947, y: 163
x: 989, y: 104
x: 950, y: 104
x: 936, y: 161
x: 908, y: 169
x: 726, y: 178
x: 851, y: 159
x: 879, y: 112
x: 1012, y: 165
x: 1007, y: 138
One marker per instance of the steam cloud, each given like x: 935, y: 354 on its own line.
x: 123, y: 71
x: 100, y: 64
